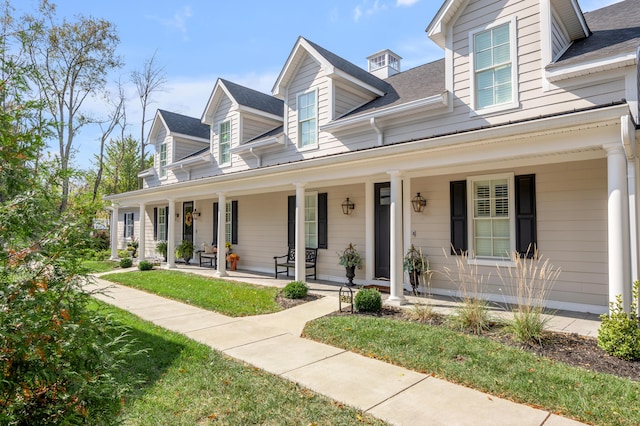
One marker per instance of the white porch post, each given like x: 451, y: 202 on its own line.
x: 617, y: 225
x: 370, y: 230
x: 222, y: 235
x: 142, y: 236
x: 397, y: 285
x: 633, y: 218
x: 171, y: 237
x: 300, y: 240
x: 114, y: 232
x: 406, y: 217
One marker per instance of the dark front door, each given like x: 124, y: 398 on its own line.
x: 187, y: 221
x: 383, y: 229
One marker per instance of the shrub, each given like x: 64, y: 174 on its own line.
x: 619, y: 333
x: 145, y: 265
x: 368, y: 300
x: 295, y: 290
x: 126, y: 262
x: 421, y: 313
x: 471, y: 316
x: 100, y: 240
x: 123, y: 253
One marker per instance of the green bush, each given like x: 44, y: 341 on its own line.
x: 295, y: 290
x: 619, y: 333
x: 368, y: 300
x: 123, y: 253
x: 145, y: 265
x: 126, y: 262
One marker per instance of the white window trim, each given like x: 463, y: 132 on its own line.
x: 491, y: 261
x: 162, y: 211
x: 228, y: 221
x: 315, y: 195
x: 131, y: 224
x: 299, y: 143
x: 164, y: 175
x: 228, y: 163
x: 513, y: 40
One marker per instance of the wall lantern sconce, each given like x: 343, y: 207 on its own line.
x: 418, y: 202
x: 177, y: 215
x: 347, y: 206
x: 196, y: 214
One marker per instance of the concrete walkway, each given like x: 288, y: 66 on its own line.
x: 273, y: 343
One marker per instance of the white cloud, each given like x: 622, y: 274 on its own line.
x: 406, y: 3
x: 357, y: 13
x: 177, y: 22
x: 366, y: 8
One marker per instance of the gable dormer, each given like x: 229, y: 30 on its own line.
x: 236, y: 115
x: 561, y: 23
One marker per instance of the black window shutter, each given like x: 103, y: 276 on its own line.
x: 234, y: 222
x: 125, y: 225
x: 166, y: 222
x: 322, y: 221
x: 214, y: 240
x: 458, y: 198
x: 291, y: 221
x: 526, y: 238
x: 155, y: 223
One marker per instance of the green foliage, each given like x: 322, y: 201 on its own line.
x: 126, y: 262
x: 123, y: 253
x: 100, y: 240
x: 161, y: 248
x: 471, y: 316
x: 350, y: 257
x: 121, y: 166
x: 295, y: 290
x: 619, y: 333
x: 185, y: 250
x: 414, y: 260
x: 145, y: 265
x: 368, y: 300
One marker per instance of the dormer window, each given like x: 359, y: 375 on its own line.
x: 224, y: 143
x: 307, y: 122
x: 163, y: 160
x: 494, y: 67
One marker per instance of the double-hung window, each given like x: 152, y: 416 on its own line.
x: 228, y: 222
x: 163, y: 160
x: 310, y: 220
x: 224, y: 144
x: 307, y: 120
x: 494, y: 66
x: 492, y: 223
x: 128, y: 225
x: 162, y: 224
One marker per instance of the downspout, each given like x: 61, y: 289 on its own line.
x: 258, y: 158
x: 375, y: 127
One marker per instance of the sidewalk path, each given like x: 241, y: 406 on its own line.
x: 273, y: 343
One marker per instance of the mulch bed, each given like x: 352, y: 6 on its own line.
x: 290, y: 303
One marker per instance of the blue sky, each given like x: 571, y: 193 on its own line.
x: 246, y: 42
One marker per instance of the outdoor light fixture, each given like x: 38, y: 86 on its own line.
x: 196, y: 213
x: 347, y: 206
x: 418, y: 202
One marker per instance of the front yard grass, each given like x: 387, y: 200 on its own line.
x: 226, y: 297
x: 186, y: 383
x: 97, y: 266
x: 486, y: 365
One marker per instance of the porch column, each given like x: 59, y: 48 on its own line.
x: 370, y: 230
x: 406, y: 217
x: 114, y: 232
x: 222, y: 235
x: 618, y: 223
x: 171, y: 237
x: 300, y: 240
x: 141, y: 237
x: 397, y: 285
x: 632, y: 182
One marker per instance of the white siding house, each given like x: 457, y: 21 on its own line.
x: 523, y: 135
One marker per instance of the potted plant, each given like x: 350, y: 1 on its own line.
x: 350, y: 259
x: 161, y: 248
x: 416, y: 264
x: 185, y: 250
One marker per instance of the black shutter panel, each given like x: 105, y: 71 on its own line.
x: 234, y: 222
x: 125, y: 225
x: 166, y: 222
x: 155, y: 223
x: 291, y: 221
x: 526, y: 238
x: 214, y: 240
x: 322, y: 221
x: 458, y: 198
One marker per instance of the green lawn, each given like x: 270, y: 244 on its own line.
x: 486, y: 365
x: 226, y: 297
x: 187, y: 383
x: 97, y: 266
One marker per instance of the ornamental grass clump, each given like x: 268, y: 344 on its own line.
x: 368, y: 300
x: 295, y: 290
x: 619, y: 333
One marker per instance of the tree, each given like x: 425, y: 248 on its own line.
x: 73, y: 60
x: 121, y: 164
x: 149, y: 80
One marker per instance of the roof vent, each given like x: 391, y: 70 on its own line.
x: 384, y: 64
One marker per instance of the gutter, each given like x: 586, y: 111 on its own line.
x: 375, y: 127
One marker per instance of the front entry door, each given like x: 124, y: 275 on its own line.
x: 187, y: 222
x: 383, y: 229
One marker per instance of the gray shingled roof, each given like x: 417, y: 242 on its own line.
x: 254, y: 99
x: 273, y: 132
x: 194, y: 154
x: 178, y: 123
x: 417, y: 83
x: 615, y: 30
x: 350, y: 68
